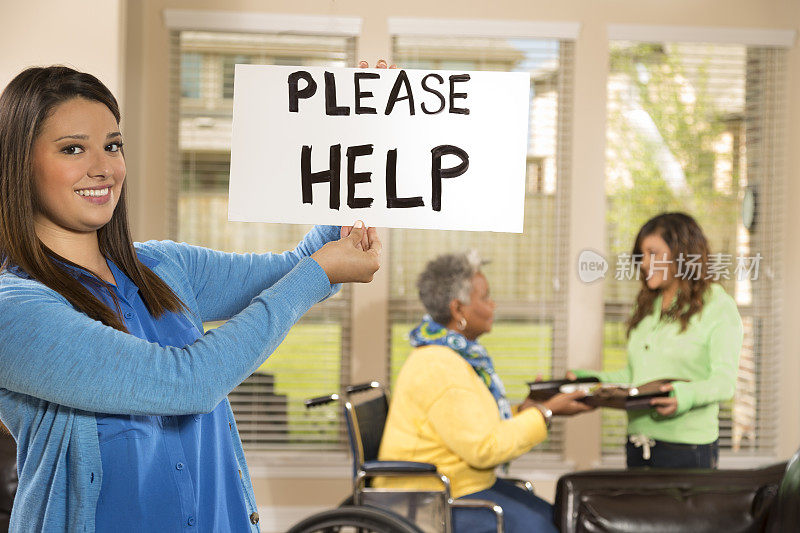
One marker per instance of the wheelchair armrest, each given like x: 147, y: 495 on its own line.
x: 521, y: 483
x: 362, y: 387
x: 377, y: 468
x: 482, y: 504
x: 371, y: 469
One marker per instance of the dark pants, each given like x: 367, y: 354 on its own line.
x: 522, y: 511
x: 675, y: 455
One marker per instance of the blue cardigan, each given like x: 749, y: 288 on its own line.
x: 58, y: 366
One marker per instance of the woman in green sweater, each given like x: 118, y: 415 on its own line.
x: 684, y: 327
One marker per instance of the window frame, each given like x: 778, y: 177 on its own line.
x: 548, y: 462
x: 750, y: 39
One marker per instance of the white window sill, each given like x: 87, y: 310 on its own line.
x: 538, y: 468
x: 338, y: 465
x: 303, y: 465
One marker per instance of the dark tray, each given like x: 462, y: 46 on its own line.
x: 612, y: 396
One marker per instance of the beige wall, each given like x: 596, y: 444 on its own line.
x: 86, y: 35
x: 94, y: 36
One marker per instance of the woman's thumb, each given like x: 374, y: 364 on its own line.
x: 576, y: 395
x: 357, y: 233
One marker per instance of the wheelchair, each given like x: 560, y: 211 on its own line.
x: 370, y: 509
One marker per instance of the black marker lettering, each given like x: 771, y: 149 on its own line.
x: 402, y: 80
x: 364, y: 94
x: 453, y: 79
x: 330, y: 176
x: 433, y: 91
x: 330, y: 97
x: 294, y: 93
x: 354, y: 177
x: 438, y: 173
x: 392, y: 200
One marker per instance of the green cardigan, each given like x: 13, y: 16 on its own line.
x: 706, y: 354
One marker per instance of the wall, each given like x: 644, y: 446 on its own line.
x: 41, y: 32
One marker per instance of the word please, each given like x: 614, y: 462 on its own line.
x: 429, y: 84
x: 332, y: 176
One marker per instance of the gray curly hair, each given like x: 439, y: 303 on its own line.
x: 447, y: 277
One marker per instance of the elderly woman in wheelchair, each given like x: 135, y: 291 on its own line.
x: 449, y: 406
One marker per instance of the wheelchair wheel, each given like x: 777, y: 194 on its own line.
x: 360, y: 519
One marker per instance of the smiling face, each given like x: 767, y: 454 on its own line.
x: 78, y: 168
x: 657, y: 264
x: 479, y: 313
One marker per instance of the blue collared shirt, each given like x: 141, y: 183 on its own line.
x: 164, y: 473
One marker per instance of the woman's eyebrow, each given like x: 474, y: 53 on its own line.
x: 79, y: 136
x: 83, y: 137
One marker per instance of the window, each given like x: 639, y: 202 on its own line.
x: 191, y: 66
x: 526, y: 274
x: 315, y: 355
x: 690, y: 128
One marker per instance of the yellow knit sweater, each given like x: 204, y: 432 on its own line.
x: 442, y: 413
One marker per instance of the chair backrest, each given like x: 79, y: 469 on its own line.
x: 785, y: 512
x: 371, y: 419
x: 8, y: 476
x: 365, y: 422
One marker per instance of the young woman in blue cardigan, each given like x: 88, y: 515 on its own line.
x: 115, y: 396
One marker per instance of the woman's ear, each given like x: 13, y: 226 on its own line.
x: 456, y: 309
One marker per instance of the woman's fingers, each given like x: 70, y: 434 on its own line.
x: 357, y: 233
x: 567, y: 403
x: 359, y: 236
x: 380, y: 64
x: 346, y: 260
x: 661, y: 401
x: 375, y: 244
x: 364, y: 243
x: 665, y: 406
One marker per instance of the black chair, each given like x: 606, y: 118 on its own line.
x: 8, y: 476
x: 701, y: 501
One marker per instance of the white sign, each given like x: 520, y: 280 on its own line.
x: 394, y: 148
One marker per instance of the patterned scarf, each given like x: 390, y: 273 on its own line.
x: 430, y: 332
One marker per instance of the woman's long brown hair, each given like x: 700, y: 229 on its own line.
x: 25, y: 105
x: 683, y: 236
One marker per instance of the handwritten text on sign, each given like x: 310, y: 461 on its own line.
x: 395, y: 148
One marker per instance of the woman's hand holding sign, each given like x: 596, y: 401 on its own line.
x: 345, y: 260
x: 380, y: 64
x: 354, y: 257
